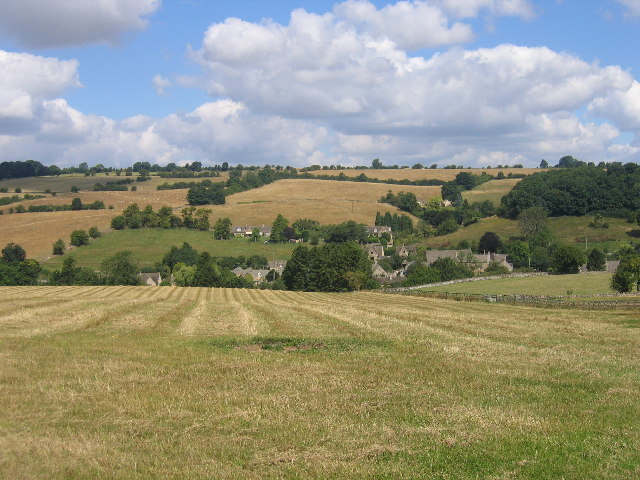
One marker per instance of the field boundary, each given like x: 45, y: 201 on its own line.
x: 466, y: 280
x: 529, y: 300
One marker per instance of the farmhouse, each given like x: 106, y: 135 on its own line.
x: 151, y: 279
x: 459, y: 255
x: 258, y: 276
x: 247, y: 230
x: 277, y: 265
x: 379, y: 231
x: 375, y: 251
x: 478, y: 262
x: 407, y: 250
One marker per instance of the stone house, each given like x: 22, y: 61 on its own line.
x: 407, y: 250
x: 375, y: 251
x: 247, y: 230
x: 277, y: 265
x: 258, y: 276
x: 379, y: 230
x: 151, y: 279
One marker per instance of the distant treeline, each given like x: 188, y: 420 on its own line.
x: 578, y: 191
x: 76, y: 204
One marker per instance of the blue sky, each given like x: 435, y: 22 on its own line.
x: 472, y: 82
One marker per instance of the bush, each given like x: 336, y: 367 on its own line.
x: 74, y: 189
x: 59, y: 247
x: 94, y: 232
x: 79, y: 238
x: 119, y: 223
x: 18, y: 190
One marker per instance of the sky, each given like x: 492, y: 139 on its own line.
x: 302, y: 82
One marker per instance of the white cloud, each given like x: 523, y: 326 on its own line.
x: 341, y: 88
x: 633, y: 7
x: 26, y: 81
x: 410, y: 25
x: 60, y: 23
x: 161, y: 83
x: 622, y: 106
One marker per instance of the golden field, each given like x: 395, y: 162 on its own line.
x: 141, y: 383
x: 425, y: 173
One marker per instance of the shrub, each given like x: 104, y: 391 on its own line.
x: 79, y: 238
x: 59, y: 247
x: 119, y: 223
x: 94, y: 232
x: 18, y: 190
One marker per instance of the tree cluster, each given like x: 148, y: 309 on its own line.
x: 578, y: 191
x: 333, y: 267
x: 16, y: 269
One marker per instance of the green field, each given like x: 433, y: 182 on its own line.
x: 149, y: 245
x: 565, y: 230
x: 493, y: 190
x: 550, y: 285
x: 145, y: 383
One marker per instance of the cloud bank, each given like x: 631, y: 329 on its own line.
x: 344, y: 87
x: 63, y: 23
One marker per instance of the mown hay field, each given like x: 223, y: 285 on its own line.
x: 323, y: 200
x: 424, y: 174
x: 123, y: 383
x: 549, y: 285
x: 36, y: 232
x: 149, y: 245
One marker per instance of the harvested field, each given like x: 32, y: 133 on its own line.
x: 142, y: 382
x: 36, y: 232
x: 322, y: 200
x: 424, y: 174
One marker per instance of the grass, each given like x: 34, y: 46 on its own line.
x: 137, y: 383
x: 493, y: 190
x: 325, y: 201
x: 149, y: 245
x: 424, y: 174
x: 63, y: 183
x: 552, y: 285
x: 565, y: 230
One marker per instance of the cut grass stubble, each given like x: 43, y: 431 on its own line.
x: 171, y: 382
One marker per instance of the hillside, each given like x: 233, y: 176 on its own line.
x: 564, y: 229
x: 149, y: 245
x: 203, y: 383
x: 322, y: 200
x: 425, y: 173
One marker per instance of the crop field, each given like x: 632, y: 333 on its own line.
x: 149, y: 245
x: 322, y: 200
x: 551, y: 285
x: 36, y: 232
x: 141, y: 382
x: 424, y: 174
x: 493, y: 190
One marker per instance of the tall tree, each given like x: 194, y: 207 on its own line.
x: 222, y: 229
x: 120, y: 269
x: 277, y: 229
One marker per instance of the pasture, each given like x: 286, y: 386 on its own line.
x: 493, y: 190
x: 425, y: 173
x: 564, y: 229
x: 141, y: 382
x: 149, y: 245
x: 550, y: 285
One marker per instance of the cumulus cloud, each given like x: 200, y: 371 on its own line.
x: 61, y: 23
x: 26, y: 82
x: 343, y: 87
x: 411, y: 25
